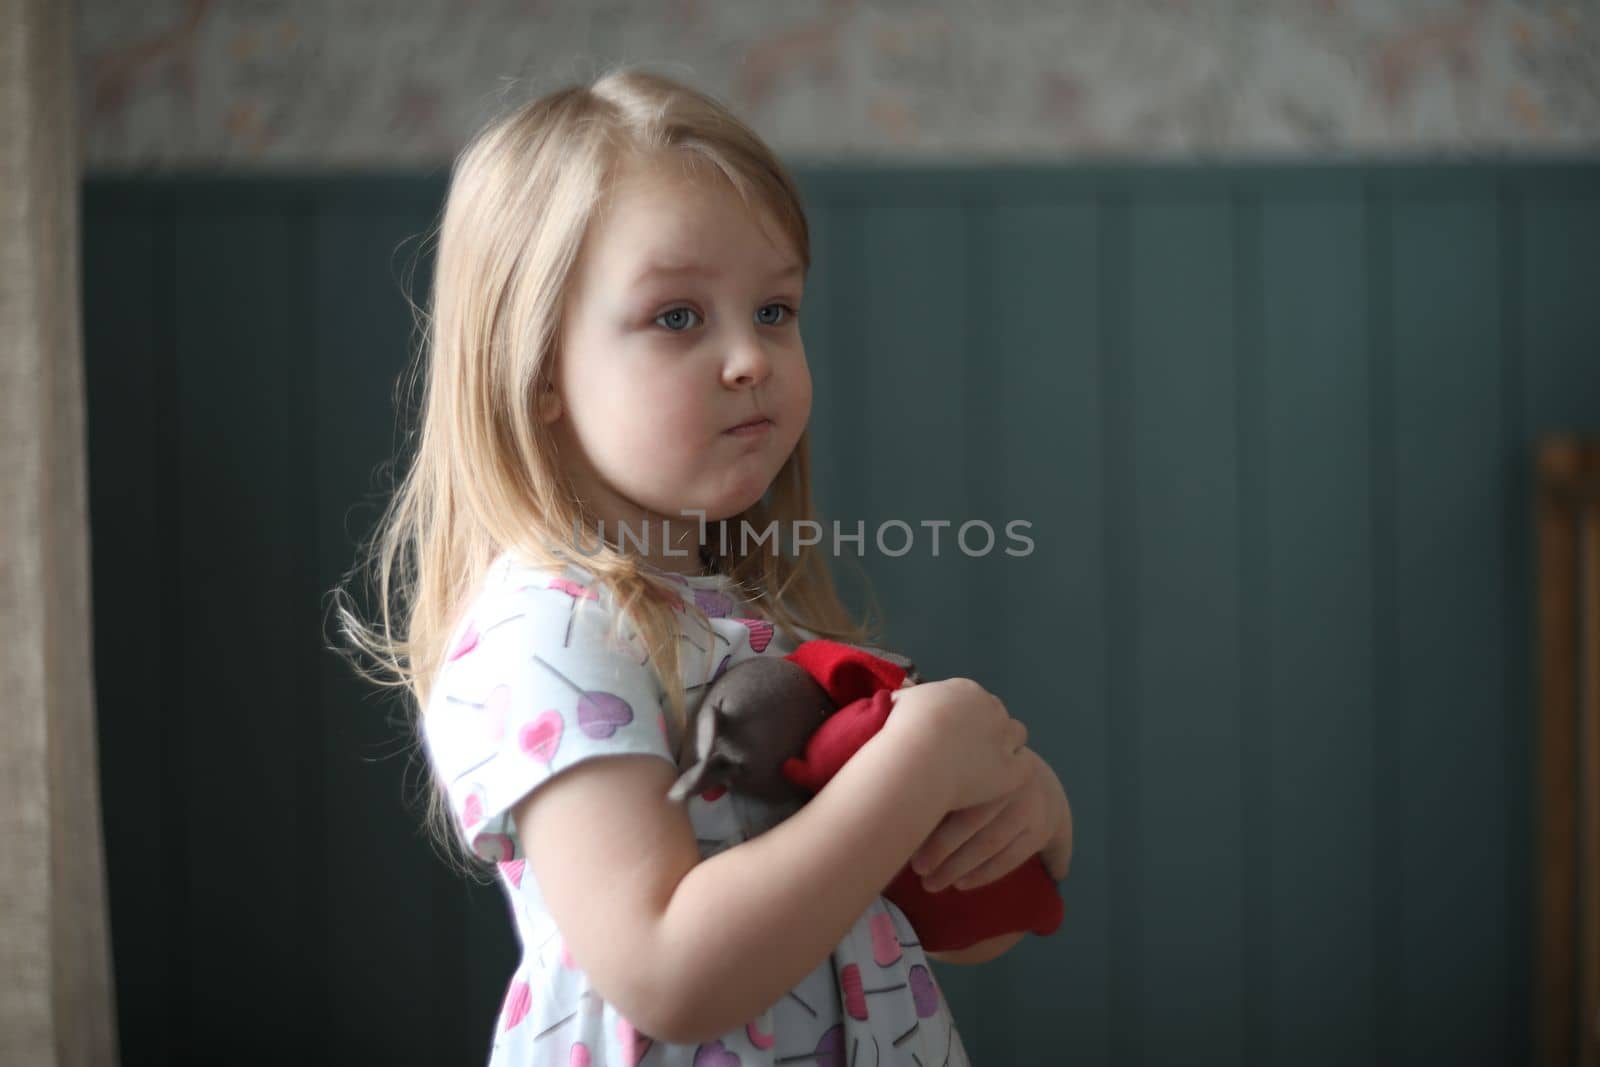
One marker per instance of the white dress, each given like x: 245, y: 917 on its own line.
x: 532, y: 686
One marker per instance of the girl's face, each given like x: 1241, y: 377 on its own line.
x: 679, y: 326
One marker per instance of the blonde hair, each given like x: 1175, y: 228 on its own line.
x: 484, y: 479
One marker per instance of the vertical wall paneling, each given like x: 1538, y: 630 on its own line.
x: 1388, y: 1006
x: 913, y: 456
x: 1314, y: 656
x: 1121, y: 610
x: 1040, y: 347
x: 1255, y: 725
x: 1519, y: 699
x: 1555, y: 281
x: 1551, y: 272
x: 817, y: 328
x: 382, y: 946
x: 242, y: 626
x: 961, y: 544
x: 1182, y: 354
x: 1271, y: 427
x: 1255, y: 722
x: 832, y: 323
x: 127, y: 278
x: 913, y: 451
x: 1449, y: 437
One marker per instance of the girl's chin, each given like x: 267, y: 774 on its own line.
x: 730, y: 511
x: 736, y: 499
x: 733, y: 498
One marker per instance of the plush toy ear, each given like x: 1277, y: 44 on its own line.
x: 713, y: 761
x: 912, y: 675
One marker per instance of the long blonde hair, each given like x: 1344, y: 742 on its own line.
x: 484, y: 478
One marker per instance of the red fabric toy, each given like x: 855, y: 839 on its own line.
x: 779, y: 728
x: 859, y: 684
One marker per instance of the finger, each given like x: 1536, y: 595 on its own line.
x: 970, y: 863
x: 953, y: 832
x: 998, y: 866
x: 1020, y: 826
x: 979, y: 849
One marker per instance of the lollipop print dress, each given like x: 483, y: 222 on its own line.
x: 533, y: 685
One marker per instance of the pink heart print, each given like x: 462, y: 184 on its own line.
x: 512, y: 869
x: 715, y: 1054
x: 924, y: 993
x: 573, y: 589
x: 601, y: 714
x: 540, y: 738
x: 495, y: 847
x: 855, y: 998
x: 712, y: 604
x: 634, y: 1044
x: 518, y: 1000
x: 830, y: 1048
x: 758, y: 1038
x: 579, y: 1056
x: 855, y: 995
x: 468, y: 642
x: 760, y: 633
x: 885, y: 939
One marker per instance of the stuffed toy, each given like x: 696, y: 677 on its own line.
x: 778, y: 728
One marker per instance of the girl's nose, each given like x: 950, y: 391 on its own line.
x: 747, y: 362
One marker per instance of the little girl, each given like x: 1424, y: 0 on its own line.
x: 616, y: 401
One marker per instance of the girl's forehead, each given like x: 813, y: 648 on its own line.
x: 661, y: 206
x: 643, y: 185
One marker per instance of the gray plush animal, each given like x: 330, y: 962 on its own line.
x: 754, y: 716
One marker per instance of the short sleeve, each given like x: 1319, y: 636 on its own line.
x: 535, y: 683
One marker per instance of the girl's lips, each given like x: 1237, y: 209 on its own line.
x: 754, y: 426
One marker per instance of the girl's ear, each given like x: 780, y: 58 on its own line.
x: 549, y: 404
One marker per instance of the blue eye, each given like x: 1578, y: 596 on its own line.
x: 679, y: 313
x: 679, y: 319
x: 789, y: 313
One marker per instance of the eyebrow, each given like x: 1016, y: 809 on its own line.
x: 678, y: 270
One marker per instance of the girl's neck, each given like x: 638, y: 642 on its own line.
x: 667, y: 547
x: 692, y: 567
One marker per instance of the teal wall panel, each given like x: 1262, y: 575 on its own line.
x: 1448, y: 629
x: 1185, y: 689
x: 1041, y: 352
x: 238, y: 689
x: 833, y: 390
x: 134, y: 618
x: 1271, y: 427
x: 1311, y: 802
x: 359, y: 325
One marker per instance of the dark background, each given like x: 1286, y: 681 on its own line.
x: 1273, y: 427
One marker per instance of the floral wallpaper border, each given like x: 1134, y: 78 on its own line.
x: 359, y: 84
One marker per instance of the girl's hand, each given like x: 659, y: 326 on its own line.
x: 971, y: 747
x: 978, y: 845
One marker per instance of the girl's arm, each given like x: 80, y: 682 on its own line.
x: 687, y: 949
x: 731, y: 959
x: 1057, y: 856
